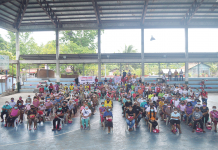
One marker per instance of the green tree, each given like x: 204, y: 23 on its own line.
x: 11, y: 46
x: 129, y: 49
x: 3, y: 43
x: 84, y: 38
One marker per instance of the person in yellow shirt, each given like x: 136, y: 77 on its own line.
x: 65, y: 87
x: 150, y: 96
x: 134, y: 76
x: 108, y: 103
x: 71, y: 87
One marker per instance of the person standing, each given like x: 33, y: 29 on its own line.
x: 181, y: 75
x: 169, y: 75
x: 164, y: 78
x: 124, y: 74
x: 176, y: 75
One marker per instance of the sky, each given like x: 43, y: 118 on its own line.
x: 166, y: 40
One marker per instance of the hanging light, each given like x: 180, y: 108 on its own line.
x: 152, y: 38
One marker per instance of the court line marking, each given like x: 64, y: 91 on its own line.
x: 45, y: 137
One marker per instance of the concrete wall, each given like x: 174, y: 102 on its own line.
x: 42, y: 73
x: 9, y: 84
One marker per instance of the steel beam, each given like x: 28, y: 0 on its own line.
x: 49, y: 12
x: 4, y: 1
x: 191, y: 12
x: 144, y: 12
x: 95, y: 6
x: 21, y: 12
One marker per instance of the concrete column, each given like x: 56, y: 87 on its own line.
x: 83, y: 69
x: 17, y: 58
x: 159, y: 69
x: 198, y: 69
x: 99, y: 55
x: 142, y: 53
x: 143, y: 72
x: 186, y: 55
x: 120, y: 69
x: 57, y: 57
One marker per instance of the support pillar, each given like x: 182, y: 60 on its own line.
x: 83, y: 69
x: 57, y: 57
x: 186, y: 55
x: 120, y: 69
x: 99, y: 55
x: 198, y: 69
x: 142, y: 53
x: 159, y: 69
x: 17, y: 58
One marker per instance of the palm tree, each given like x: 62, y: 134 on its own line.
x: 129, y: 49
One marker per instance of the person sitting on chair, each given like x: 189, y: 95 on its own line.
x: 5, y: 110
x: 152, y: 117
x: 197, y: 117
x: 58, y: 115
x: 214, y: 117
x: 130, y: 117
x: 175, y: 119
x: 13, y: 114
x: 86, y: 113
x: 31, y: 116
x: 108, y: 116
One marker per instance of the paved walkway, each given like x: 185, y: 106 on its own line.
x: 71, y: 137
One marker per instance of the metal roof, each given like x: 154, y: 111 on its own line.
x: 45, y: 15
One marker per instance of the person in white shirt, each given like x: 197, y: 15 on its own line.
x: 175, y: 101
x: 148, y: 108
x: 197, y: 94
x: 189, y: 99
x: 198, y: 104
x: 166, y: 95
x: 155, y: 98
x: 185, y: 92
x: 12, y: 102
x: 86, y: 113
x: 180, y: 91
x: 140, y: 99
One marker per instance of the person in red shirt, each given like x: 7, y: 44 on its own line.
x: 41, y: 89
x: 96, y: 79
x: 204, y: 96
x: 158, y: 90
x: 110, y: 80
x: 122, y: 80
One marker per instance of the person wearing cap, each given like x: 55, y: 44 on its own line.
x: 12, y: 102
x: 5, y: 110
x: 31, y: 116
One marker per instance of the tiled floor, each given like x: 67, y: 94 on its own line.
x: 71, y: 137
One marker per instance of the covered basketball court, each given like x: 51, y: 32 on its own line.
x: 48, y: 15
x: 57, y: 15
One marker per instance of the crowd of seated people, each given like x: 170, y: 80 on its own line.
x: 59, y: 103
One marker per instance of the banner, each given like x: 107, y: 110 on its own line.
x: 117, y: 79
x: 85, y: 79
x: 4, y: 62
